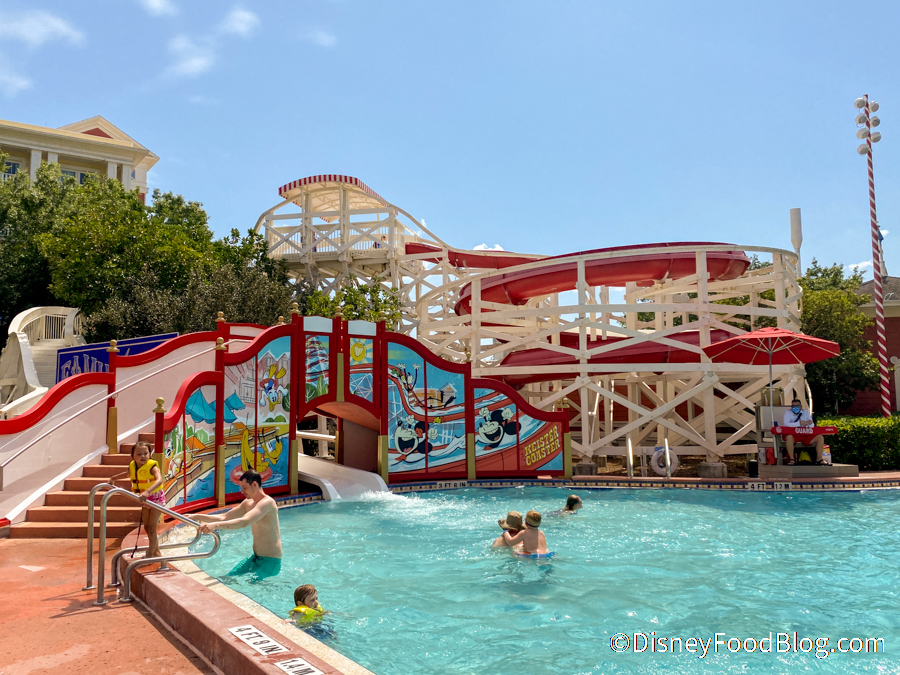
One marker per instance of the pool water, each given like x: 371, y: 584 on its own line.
x: 413, y: 585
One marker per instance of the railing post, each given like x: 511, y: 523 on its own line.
x: 112, y: 414
x: 158, y: 433
x: 220, y: 422
x: 294, y: 388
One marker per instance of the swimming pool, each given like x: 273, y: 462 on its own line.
x: 414, y: 587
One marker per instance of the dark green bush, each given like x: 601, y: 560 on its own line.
x: 873, y: 443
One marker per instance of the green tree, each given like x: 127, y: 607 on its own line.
x: 27, y: 211
x: 356, y: 301
x: 831, y: 310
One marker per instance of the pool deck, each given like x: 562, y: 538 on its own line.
x: 49, y: 624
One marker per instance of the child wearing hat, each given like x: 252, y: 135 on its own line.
x: 531, y: 538
x: 512, y: 524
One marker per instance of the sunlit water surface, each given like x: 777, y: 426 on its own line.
x: 413, y: 586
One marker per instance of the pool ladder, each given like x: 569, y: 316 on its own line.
x: 114, y: 565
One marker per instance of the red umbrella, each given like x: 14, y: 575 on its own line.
x: 772, y: 345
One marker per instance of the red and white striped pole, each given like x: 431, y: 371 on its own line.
x: 880, y: 335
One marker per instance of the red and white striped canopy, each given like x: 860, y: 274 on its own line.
x: 324, y: 193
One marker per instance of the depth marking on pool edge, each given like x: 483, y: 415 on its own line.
x: 258, y: 640
x: 298, y: 666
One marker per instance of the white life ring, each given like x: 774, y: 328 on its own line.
x: 658, y: 461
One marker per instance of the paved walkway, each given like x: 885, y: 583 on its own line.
x: 49, y: 625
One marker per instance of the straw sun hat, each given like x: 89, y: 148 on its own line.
x: 513, y: 521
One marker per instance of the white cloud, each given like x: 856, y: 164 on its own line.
x: 191, y: 58
x: 485, y: 247
x: 860, y: 265
x: 322, y: 38
x: 159, y: 7
x: 885, y: 232
x: 239, y: 22
x: 36, y: 28
x: 11, y: 83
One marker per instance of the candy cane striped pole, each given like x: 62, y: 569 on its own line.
x: 880, y: 335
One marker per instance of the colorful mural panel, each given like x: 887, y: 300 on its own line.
x: 496, y: 431
x: 408, y: 440
x: 239, y: 410
x: 269, y: 457
x: 316, y: 366
x: 173, y: 465
x: 361, y: 364
x: 199, y: 446
x: 446, y: 403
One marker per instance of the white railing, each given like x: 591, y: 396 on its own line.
x: 17, y: 368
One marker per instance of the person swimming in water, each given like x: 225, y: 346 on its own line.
x: 532, y: 540
x: 512, y: 524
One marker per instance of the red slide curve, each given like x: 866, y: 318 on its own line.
x: 517, y: 288
x: 635, y: 264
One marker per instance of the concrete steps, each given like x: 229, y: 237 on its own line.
x: 43, y: 354
x: 64, y: 514
x: 32, y: 530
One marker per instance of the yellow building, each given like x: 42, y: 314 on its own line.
x: 93, y: 145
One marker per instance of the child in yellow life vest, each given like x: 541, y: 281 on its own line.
x: 308, y: 609
x: 146, y: 481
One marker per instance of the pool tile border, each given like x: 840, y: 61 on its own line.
x: 615, y: 483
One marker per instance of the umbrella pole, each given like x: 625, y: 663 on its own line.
x: 772, y: 408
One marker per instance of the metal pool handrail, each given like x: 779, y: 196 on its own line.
x: 101, y: 566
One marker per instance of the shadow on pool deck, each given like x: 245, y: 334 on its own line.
x: 49, y: 624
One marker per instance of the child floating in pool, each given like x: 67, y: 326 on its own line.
x: 573, y: 503
x: 531, y: 538
x: 511, y: 524
x: 308, y: 609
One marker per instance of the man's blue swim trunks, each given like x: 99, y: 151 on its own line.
x: 259, y: 565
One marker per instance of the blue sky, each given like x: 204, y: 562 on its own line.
x: 541, y: 127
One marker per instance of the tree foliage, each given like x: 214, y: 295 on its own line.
x: 137, y: 269
x: 356, y: 301
x: 132, y: 269
x: 831, y: 311
x: 27, y: 211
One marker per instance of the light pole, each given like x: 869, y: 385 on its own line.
x: 866, y: 121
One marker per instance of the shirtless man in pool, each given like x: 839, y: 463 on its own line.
x: 259, y: 511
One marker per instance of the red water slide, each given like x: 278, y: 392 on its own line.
x: 642, y: 264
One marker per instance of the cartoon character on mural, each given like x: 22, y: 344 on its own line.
x: 262, y: 459
x: 410, y: 437
x: 407, y: 380
x: 272, y: 391
x: 494, y: 426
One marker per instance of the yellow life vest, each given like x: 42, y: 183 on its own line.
x: 303, y: 613
x: 144, y: 478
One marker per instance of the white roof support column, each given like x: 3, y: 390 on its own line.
x: 112, y: 170
x: 126, y: 176
x: 52, y: 158
x: 34, y: 163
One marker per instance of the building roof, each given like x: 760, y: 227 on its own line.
x: 890, y: 286
x: 96, y: 135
